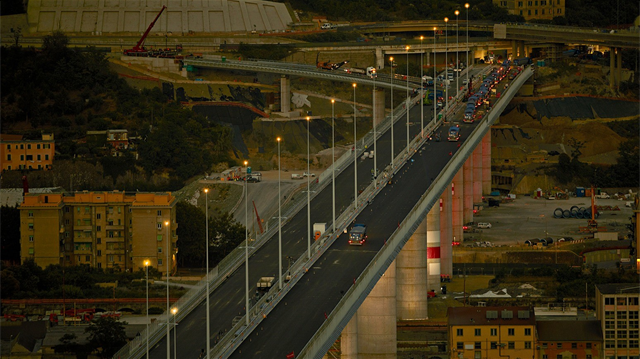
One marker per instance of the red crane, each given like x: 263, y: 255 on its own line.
x: 139, y: 49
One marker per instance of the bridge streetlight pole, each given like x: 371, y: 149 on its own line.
x: 146, y: 268
x: 435, y: 76
x: 166, y: 223
x: 246, y: 241
x: 421, y: 89
x: 457, y: 51
x: 333, y: 161
x: 174, y: 311
x: 375, y: 149
x: 355, y: 152
x: 408, y: 101
x: 446, y: 67
x: 467, y: 7
x: 308, y: 193
x: 391, y: 80
x: 206, y: 248
x: 279, y: 222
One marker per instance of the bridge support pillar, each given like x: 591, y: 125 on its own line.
x: 619, y: 67
x: 467, y: 207
x: 612, y: 67
x: 427, y: 55
x: 349, y: 340
x: 378, y: 104
x: 379, y: 58
x: 411, y: 266
x: 285, y: 94
x: 377, y: 319
x: 456, y: 217
x: 446, y: 229
x: 477, y: 174
x: 514, y: 49
x: 433, y: 248
x: 522, y: 53
x: 486, y: 163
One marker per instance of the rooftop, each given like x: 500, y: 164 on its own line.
x: 619, y: 288
x: 569, y: 330
x: 491, y: 316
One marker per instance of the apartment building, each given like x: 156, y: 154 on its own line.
x: 20, y: 154
x: 569, y: 339
x: 618, y: 311
x: 102, y: 229
x: 492, y: 332
x: 534, y: 9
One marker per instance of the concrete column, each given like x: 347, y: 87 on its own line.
x: 379, y: 58
x: 514, y: 49
x: 446, y: 231
x: 522, y: 53
x: 377, y: 319
x: 612, y: 67
x: 619, y: 67
x: 456, y: 216
x: 285, y: 94
x: 378, y: 103
x: 427, y: 55
x: 486, y: 163
x: 411, y: 276
x: 349, y: 339
x: 477, y: 174
x: 467, y: 208
x: 433, y: 248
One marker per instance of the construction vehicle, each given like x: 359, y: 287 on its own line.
x: 140, y: 50
x: 560, y: 194
x: 329, y: 65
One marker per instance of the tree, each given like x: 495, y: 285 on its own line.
x: 106, y: 335
x: 225, y: 234
x: 10, y: 233
x: 191, y: 234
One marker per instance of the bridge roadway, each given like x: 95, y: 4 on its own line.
x: 316, y: 295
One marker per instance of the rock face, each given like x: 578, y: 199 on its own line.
x: 180, y: 17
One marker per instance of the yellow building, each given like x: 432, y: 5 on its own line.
x: 102, y: 229
x: 19, y: 154
x: 533, y: 9
x: 492, y: 332
x: 618, y: 311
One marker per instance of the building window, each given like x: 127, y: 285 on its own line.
x: 527, y: 331
x: 511, y: 331
x: 494, y: 332
x: 30, y: 238
x: 589, y: 356
x: 21, y: 157
x: 87, y: 258
x: 99, y: 265
x: 609, y: 344
x: 159, y: 237
x: 588, y: 346
x: 98, y: 228
x: 29, y: 146
x: 46, y: 157
x: 622, y: 314
x: 30, y: 213
x: 99, y: 253
x: 559, y: 346
x: 536, y: 2
x: 9, y: 168
x: 459, y: 345
x: 21, y: 146
x: 529, y: 12
x: 159, y: 262
x: 622, y: 343
x: 477, y: 332
x: 633, y: 301
x: 159, y: 213
x: 542, y: 11
x: 511, y: 345
x: 609, y: 315
x: 545, y: 356
x: 527, y: 345
x: 633, y: 314
x: 574, y: 345
x: 38, y: 157
x: 477, y: 345
x: 633, y: 343
x: 31, y: 226
x: 536, y: 11
x: 459, y: 332
x: 99, y: 240
x: 622, y: 324
x: 31, y: 250
x: 559, y: 356
x: 520, y: 12
x: 622, y: 334
x: 622, y: 301
x: 159, y: 249
x: 98, y: 215
x: 8, y: 157
x: 633, y: 334
x: 159, y: 226
x: 609, y: 324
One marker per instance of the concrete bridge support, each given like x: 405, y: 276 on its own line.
x: 446, y: 232
x: 456, y: 215
x: 433, y: 248
x: 285, y: 94
x: 486, y: 163
x: 378, y: 104
x: 467, y: 192
x: 411, y: 275
x: 379, y: 58
x: 514, y: 49
x: 522, y: 53
x: 619, y: 67
x: 477, y: 175
x: 349, y: 340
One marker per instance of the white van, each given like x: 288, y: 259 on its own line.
x: 484, y: 225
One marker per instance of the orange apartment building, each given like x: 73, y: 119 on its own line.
x: 102, y: 229
x: 533, y: 9
x: 618, y: 311
x: 19, y: 154
x: 569, y: 339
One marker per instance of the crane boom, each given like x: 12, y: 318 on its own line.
x: 140, y: 45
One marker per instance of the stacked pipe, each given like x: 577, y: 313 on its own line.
x: 574, y: 212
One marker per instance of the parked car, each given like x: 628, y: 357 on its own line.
x: 484, y: 225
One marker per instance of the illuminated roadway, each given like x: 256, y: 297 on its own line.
x: 294, y: 321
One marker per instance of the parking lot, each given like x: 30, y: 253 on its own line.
x: 527, y: 218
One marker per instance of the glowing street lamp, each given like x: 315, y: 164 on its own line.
x: 391, y: 80
x: 206, y: 248
x: 174, y: 311
x: 467, y: 7
x: 408, y: 98
x: 457, y: 51
x: 355, y: 151
x: 147, y: 263
x: 279, y: 221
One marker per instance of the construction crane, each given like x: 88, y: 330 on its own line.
x: 139, y: 49
x: 329, y: 65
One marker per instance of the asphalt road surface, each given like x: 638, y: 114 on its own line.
x: 294, y: 321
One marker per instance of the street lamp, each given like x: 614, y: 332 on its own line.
x: 408, y: 98
x: 467, y: 7
x: 446, y: 68
x: 435, y: 76
x: 166, y: 223
x: 457, y: 51
x: 279, y: 222
x: 206, y: 248
x: 391, y: 80
x: 355, y: 152
x: 421, y: 89
x: 333, y: 160
x: 174, y: 311
x: 246, y: 242
x: 375, y: 149
x: 147, y: 263
x: 308, y: 193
